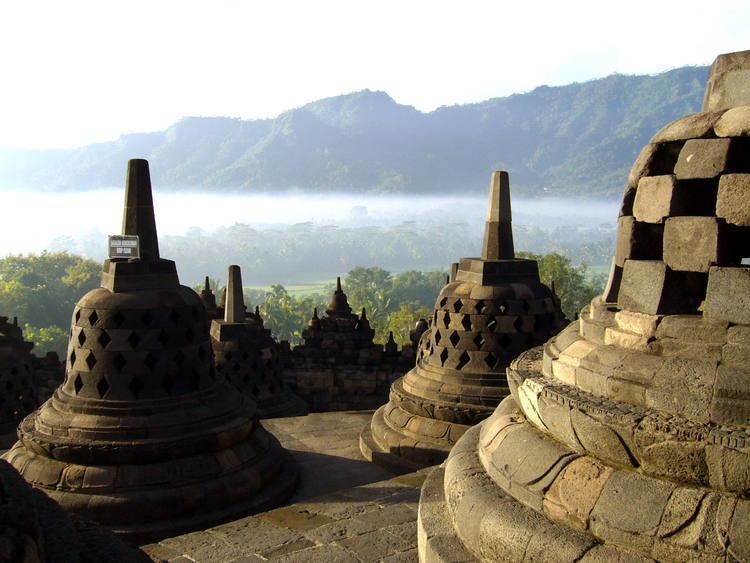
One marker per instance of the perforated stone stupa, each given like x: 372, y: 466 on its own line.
x: 143, y: 437
x: 18, y: 396
x: 492, y: 308
x: 627, y: 436
x: 248, y: 357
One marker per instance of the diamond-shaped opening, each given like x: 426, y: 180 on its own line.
x: 189, y: 335
x: 245, y: 355
x: 118, y: 318
x: 104, y: 339
x: 136, y: 386
x: 443, y: 356
x: 246, y: 380
x: 446, y: 320
x: 466, y: 322
x: 518, y: 324
x: 102, y: 387
x: 463, y: 359
x: 443, y: 301
x: 437, y: 337
x: 454, y: 338
x: 479, y: 306
x: 236, y: 367
x: 93, y: 317
x: 72, y: 358
x: 179, y: 357
x: 150, y: 361
x: 167, y: 384
x: 228, y: 355
x: 492, y: 325
x: 219, y: 366
x: 163, y: 338
x: 504, y: 341
x: 479, y: 340
x: 119, y: 362
x: 133, y: 339
x: 526, y: 306
x: 147, y: 318
x: 254, y: 390
x: 91, y: 360
x: 202, y: 353
x: 81, y: 337
x: 457, y: 304
x: 174, y: 316
x: 78, y: 383
x: 77, y: 316
x: 491, y: 360
x: 14, y: 371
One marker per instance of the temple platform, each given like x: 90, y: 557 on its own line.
x: 345, y: 508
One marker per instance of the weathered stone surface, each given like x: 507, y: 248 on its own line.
x: 728, y: 295
x: 693, y: 244
x: 654, y: 199
x: 733, y: 199
x: 572, y: 497
x: 702, y: 158
x: 728, y: 82
x: 735, y: 122
x: 690, y: 126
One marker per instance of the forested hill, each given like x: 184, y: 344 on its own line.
x: 575, y: 139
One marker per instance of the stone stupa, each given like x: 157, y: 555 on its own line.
x: 143, y: 437
x: 18, y: 396
x: 627, y: 436
x: 248, y: 357
x: 492, y: 308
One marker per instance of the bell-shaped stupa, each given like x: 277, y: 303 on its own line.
x: 491, y: 309
x: 19, y: 396
x: 627, y: 436
x: 248, y: 357
x: 143, y: 437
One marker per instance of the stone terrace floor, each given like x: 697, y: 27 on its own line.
x: 345, y: 508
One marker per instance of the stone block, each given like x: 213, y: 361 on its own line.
x: 630, y: 508
x: 728, y: 82
x: 728, y: 295
x: 637, y: 323
x: 731, y: 398
x: 734, y: 123
x: 649, y: 286
x: 692, y: 328
x: 728, y: 468
x: 654, y: 198
x: 688, y: 127
x: 693, y: 244
x: 684, y: 387
x: 702, y: 158
x: 739, y: 532
x: 733, y: 199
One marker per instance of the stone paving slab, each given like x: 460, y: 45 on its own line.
x: 345, y: 509
x: 372, y: 522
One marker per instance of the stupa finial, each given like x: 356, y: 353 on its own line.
x: 234, y: 311
x: 138, y: 215
x: 498, y: 232
x: 207, y: 285
x: 338, y: 284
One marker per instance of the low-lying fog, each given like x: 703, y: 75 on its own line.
x: 80, y: 222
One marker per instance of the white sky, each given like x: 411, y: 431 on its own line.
x: 74, y: 72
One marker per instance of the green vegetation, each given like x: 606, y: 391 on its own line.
x: 41, y: 290
x: 574, y: 139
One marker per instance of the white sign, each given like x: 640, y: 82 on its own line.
x: 124, y: 246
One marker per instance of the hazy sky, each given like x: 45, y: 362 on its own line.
x: 75, y: 72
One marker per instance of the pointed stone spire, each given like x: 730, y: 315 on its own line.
x: 390, y: 346
x: 339, y: 304
x: 362, y: 317
x: 206, y: 285
x: 498, y: 232
x: 257, y: 310
x: 138, y: 215
x: 363, y: 323
x: 234, y: 311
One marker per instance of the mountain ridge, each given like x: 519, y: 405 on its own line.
x: 576, y: 139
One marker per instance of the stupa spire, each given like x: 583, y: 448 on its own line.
x: 138, y: 215
x: 234, y: 311
x: 498, y: 232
